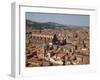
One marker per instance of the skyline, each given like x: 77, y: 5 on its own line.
x: 65, y: 19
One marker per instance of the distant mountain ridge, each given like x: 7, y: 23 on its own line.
x: 52, y: 25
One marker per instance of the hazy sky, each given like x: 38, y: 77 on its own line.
x: 66, y: 19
